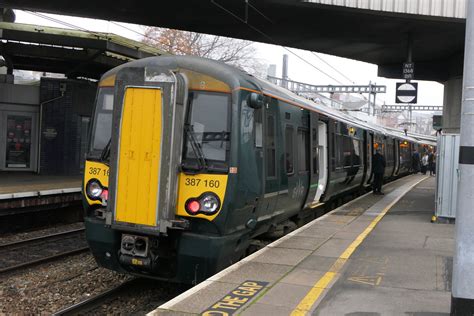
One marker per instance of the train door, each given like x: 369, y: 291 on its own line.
x: 322, y: 160
x: 145, y: 150
x: 314, y: 160
x: 389, y: 156
x: 294, y: 172
x: 396, y: 156
x: 370, y: 152
x: 272, y: 172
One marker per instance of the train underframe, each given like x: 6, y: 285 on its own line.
x: 182, y: 256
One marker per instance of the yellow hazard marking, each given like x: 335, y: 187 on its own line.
x: 108, y: 82
x: 137, y: 262
x: 200, y: 81
x: 193, y: 186
x: 237, y: 298
x: 369, y: 280
x: 314, y: 294
x: 95, y: 170
x: 373, y: 279
x: 139, y: 157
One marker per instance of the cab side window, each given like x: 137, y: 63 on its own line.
x: 289, y: 157
x: 270, y: 146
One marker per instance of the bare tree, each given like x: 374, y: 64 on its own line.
x: 235, y: 52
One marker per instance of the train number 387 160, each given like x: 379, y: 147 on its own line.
x: 98, y: 171
x: 197, y: 182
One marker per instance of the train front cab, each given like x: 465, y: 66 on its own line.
x: 131, y: 225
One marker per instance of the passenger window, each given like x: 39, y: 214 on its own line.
x: 303, y: 146
x: 314, y: 152
x: 347, y: 151
x: 258, y: 128
x: 390, y: 150
x: 358, y: 150
x: 339, y: 143
x: 270, y: 144
x: 289, y: 161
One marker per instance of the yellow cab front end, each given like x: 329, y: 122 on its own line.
x: 157, y: 172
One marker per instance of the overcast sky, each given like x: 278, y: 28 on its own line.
x: 430, y: 93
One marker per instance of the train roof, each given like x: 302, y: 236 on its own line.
x: 238, y: 78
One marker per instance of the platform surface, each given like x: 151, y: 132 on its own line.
x: 377, y: 255
x: 20, y: 184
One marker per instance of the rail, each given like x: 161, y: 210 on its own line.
x: 29, y: 252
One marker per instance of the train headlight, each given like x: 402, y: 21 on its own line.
x: 209, y: 203
x: 192, y: 206
x: 94, y: 189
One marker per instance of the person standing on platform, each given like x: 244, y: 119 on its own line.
x: 416, y: 162
x: 431, y: 163
x: 424, y: 163
x: 378, y: 167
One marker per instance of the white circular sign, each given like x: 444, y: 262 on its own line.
x: 406, y: 98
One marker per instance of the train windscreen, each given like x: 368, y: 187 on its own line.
x: 102, y: 125
x: 207, y: 130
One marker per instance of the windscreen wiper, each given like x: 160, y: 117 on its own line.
x: 106, y: 151
x: 195, y: 147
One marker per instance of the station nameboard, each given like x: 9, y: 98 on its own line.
x: 406, y: 92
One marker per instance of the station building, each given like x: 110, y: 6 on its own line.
x: 44, y: 123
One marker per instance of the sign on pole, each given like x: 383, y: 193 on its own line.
x: 408, y: 71
x: 437, y: 122
x: 406, y: 92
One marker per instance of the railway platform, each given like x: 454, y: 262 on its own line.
x: 18, y: 185
x: 24, y: 194
x: 376, y: 255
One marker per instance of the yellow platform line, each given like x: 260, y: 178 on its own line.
x: 322, y: 284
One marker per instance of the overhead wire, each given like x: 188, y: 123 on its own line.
x: 332, y: 67
x: 145, y: 36
x: 142, y: 34
x: 46, y: 17
x: 268, y: 19
x: 285, y: 48
x: 272, y: 40
x: 79, y: 28
x: 70, y: 25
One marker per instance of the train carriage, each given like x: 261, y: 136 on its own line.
x: 190, y: 159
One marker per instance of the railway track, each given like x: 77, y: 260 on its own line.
x: 135, y: 296
x: 93, y: 302
x: 25, y: 253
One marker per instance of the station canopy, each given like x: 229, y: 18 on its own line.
x: 70, y: 52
